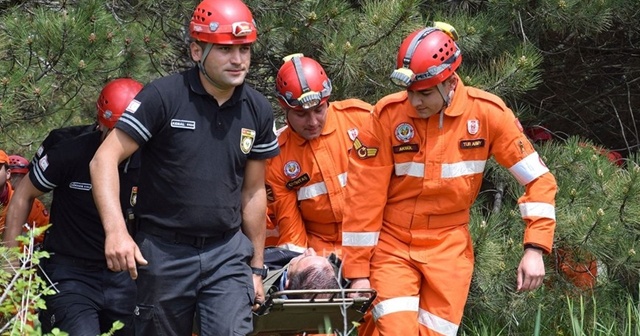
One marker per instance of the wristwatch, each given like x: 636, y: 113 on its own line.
x: 260, y: 271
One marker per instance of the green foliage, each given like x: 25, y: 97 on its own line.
x: 55, y: 61
x: 597, y: 211
x: 566, y: 64
x: 22, y: 287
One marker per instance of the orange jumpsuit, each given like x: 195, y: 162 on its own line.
x: 38, y: 216
x: 412, y: 182
x: 305, y: 183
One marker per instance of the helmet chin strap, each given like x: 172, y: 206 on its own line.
x: 205, y: 53
x: 447, y: 101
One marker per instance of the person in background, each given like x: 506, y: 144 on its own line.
x: 413, y: 177
x: 89, y: 297
x: 12, y: 169
x: 209, y: 124
x: 19, y: 167
x: 305, y: 183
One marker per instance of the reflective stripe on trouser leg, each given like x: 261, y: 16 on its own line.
x: 441, y: 280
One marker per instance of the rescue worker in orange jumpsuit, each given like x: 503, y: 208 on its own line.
x: 38, y: 215
x: 305, y: 182
x: 413, y: 177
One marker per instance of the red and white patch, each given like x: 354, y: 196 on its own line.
x: 473, y: 126
x: 404, y: 132
x: 43, y: 163
x: 353, y: 133
x: 133, y: 106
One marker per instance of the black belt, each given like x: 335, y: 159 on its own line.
x: 62, y: 259
x: 179, y: 238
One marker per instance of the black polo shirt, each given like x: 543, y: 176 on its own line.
x: 76, y: 228
x: 58, y: 134
x: 194, y: 152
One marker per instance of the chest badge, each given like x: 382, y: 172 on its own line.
x: 473, y: 126
x: 292, y: 169
x: 133, y: 199
x: 353, y: 133
x: 247, y: 136
x: 404, y: 132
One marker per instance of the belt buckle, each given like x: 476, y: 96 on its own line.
x: 199, y: 242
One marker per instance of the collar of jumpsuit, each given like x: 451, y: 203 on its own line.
x: 455, y: 108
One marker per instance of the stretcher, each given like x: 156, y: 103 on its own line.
x: 281, y: 316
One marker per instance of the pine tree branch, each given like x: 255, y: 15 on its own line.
x: 401, y: 19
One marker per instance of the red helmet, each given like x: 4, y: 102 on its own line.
x: 223, y: 22
x: 114, y: 99
x: 426, y: 58
x: 18, y: 164
x: 302, y: 83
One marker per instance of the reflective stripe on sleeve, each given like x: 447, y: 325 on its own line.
x: 452, y: 170
x: 409, y: 168
x: 537, y: 209
x: 292, y: 247
x: 41, y: 179
x: 528, y: 169
x: 134, y: 123
x: 399, y: 304
x: 265, y: 148
x: 319, y: 188
x: 360, y: 239
x: 437, y: 323
x: 312, y: 191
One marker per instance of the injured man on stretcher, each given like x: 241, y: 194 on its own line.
x: 305, y: 292
x: 290, y: 270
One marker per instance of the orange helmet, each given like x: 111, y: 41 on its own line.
x: 18, y: 164
x: 302, y: 83
x: 425, y: 59
x: 114, y: 99
x: 223, y: 22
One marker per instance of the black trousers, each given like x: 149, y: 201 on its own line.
x: 90, y: 297
x: 210, y: 282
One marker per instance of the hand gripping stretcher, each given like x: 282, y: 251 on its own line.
x: 279, y: 315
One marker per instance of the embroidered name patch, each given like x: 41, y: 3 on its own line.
x: 80, y: 186
x: 406, y: 148
x: 183, y: 124
x: 300, y: 181
x: 469, y: 144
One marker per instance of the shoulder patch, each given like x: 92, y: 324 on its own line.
x: 133, y: 106
x: 44, y: 162
x: 363, y: 151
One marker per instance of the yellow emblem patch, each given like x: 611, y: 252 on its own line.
x: 363, y: 151
x: 247, y: 136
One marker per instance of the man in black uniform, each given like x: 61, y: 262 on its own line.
x: 208, y: 124
x: 89, y: 297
